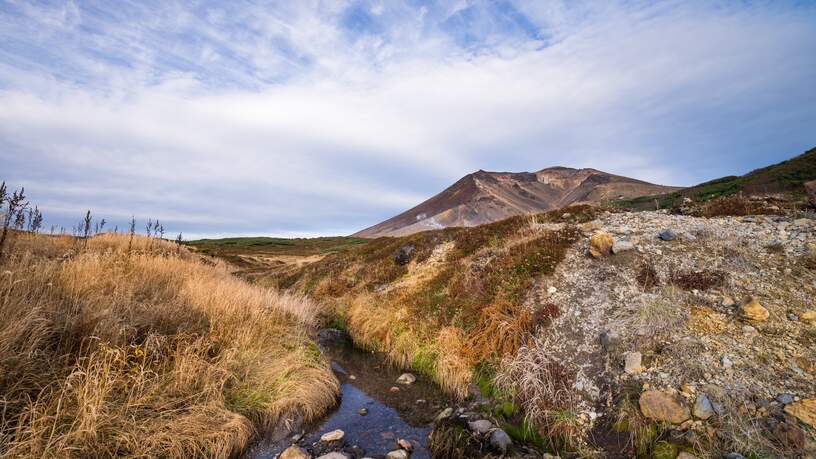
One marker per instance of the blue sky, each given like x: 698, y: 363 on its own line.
x: 311, y: 117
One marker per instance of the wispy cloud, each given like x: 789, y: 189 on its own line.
x: 324, y: 117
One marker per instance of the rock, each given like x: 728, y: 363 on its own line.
x: 481, y: 426
x: 622, y: 246
x: 394, y: 389
x: 398, y: 454
x: 405, y: 444
x: 293, y: 452
x: 444, y: 414
x: 632, y: 363
x: 600, y: 245
x: 403, y: 255
x: 362, y: 411
x: 804, y: 410
x: 658, y: 405
x: 406, y: 378
x: 685, y: 455
x: 703, y: 408
x: 500, y: 440
x: 334, y: 455
x: 733, y: 456
x: 784, y: 398
x: 667, y: 235
x: 727, y: 302
x: 334, y: 435
x: 752, y: 310
x: 808, y: 316
x: 551, y: 290
x: 726, y: 362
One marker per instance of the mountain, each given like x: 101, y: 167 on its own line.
x: 485, y: 197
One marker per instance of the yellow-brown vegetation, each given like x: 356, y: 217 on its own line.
x: 148, y: 352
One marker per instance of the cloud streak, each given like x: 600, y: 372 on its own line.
x: 321, y: 118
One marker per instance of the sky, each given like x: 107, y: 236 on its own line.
x: 304, y: 118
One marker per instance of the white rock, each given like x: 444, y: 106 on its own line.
x: 406, y: 378
x: 481, y: 426
x: 632, y: 362
x: 334, y: 435
x: 622, y: 246
x: 551, y: 290
x: 334, y: 455
x: 398, y: 454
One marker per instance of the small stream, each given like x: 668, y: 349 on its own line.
x: 367, y: 382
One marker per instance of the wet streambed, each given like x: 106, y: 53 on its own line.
x: 367, y: 383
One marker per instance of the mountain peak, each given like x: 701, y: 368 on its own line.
x: 483, y: 197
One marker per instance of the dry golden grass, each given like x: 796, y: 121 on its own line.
x: 503, y: 327
x: 149, y: 353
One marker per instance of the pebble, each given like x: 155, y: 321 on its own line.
x: 667, y: 235
x: 784, y: 398
x: 406, y: 379
x: 362, y: 411
x: 334, y: 435
x: 703, y: 408
x: 398, y: 454
x: 482, y: 426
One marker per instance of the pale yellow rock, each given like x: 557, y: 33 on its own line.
x: 752, y: 310
x: 293, y: 452
x: 685, y: 455
x: 600, y: 245
x: 804, y: 410
x: 809, y: 315
x: 658, y: 405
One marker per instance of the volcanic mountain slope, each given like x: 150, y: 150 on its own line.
x: 485, y: 197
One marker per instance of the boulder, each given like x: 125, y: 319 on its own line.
x: 660, y: 406
x: 293, y: 452
x: 752, y: 310
x: 667, y: 235
x: 334, y: 435
x: 600, y: 245
x: 500, y: 440
x: 406, y: 378
x: 633, y: 363
x: 804, y: 410
x: 403, y: 255
x: 481, y: 426
x: 703, y: 409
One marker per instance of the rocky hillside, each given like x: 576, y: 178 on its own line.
x: 485, y: 197
x: 600, y: 333
x: 788, y: 177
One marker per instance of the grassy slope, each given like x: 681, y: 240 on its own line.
x: 457, y: 308
x: 785, y: 177
x: 105, y: 353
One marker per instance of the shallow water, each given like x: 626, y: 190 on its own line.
x: 366, y: 382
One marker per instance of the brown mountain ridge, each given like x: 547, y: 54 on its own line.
x: 485, y: 197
